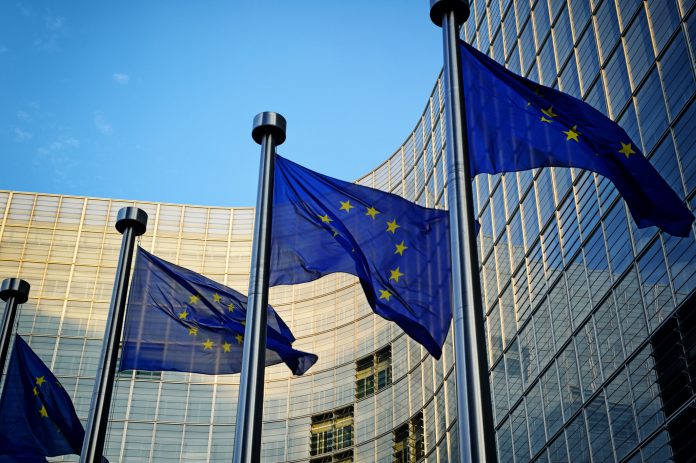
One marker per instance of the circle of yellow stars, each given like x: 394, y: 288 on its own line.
x: 208, y: 344
x: 573, y: 133
x: 40, y: 381
x: 392, y: 226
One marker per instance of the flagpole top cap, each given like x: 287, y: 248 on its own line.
x: 131, y: 217
x: 438, y: 8
x: 266, y: 123
x: 14, y: 287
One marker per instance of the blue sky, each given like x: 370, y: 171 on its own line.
x: 154, y: 99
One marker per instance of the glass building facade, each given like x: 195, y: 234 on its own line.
x: 590, y: 324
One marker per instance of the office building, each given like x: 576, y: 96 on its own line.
x: 590, y: 323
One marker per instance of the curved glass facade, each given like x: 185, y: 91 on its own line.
x: 587, y: 316
x: 592, y: 351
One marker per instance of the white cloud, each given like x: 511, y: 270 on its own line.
x: 60, y: 157
x: 54, y: 32
x: 62, y: 143
x: 22, y: 115
x: 57, y: 154
x: 102, y: 124
x: 54, y: 23
x: 21, y: 135
x: 121, y: 78
x: 25, y: 10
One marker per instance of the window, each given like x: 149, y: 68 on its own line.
x: 332, y: 432
x: 322, y: 434
x: 373, y: 373
x: 139, y: 374
x: 408, y: 441
x: 142, y: 374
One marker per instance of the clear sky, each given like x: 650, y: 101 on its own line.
x: 154, y: 99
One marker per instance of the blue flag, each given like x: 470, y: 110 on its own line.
x: 179, y: 320
x: 398, y: 250
x: 37, y: 417
x: 515, y: 124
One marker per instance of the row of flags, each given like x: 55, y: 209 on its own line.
x: 179, y: 320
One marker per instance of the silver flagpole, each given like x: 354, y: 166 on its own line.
x: 269, y: 132
x: 131, y: 222
x: 474, y: 409
x: 14, y: 292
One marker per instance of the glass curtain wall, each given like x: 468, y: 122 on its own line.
x: 583, y: 310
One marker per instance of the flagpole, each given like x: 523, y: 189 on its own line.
x: 474, y: 409
x: 131, y: 222
x: 269, y: 132
x: 14, y: 292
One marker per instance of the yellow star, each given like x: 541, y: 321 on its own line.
x: 208, y: 344
x: 626, y: 149
x: 239, y: 338
x: 400, y: 248
x: 335, y: 233
x: 226, y: 346
x: 43, y: 412
x: 346, y: 206
x: 549, y: 112
x: 572, y: 134
x: 193, y: 331
x: 385, y: 294
x: 36, y: 391
x: 230, y: 307
x: 372, y: 212
x: 243, y: 322
x: 183, y: 315
x: 325, y: 218
x: 395, y: 274
x: 217, y: 297
x: 543, y: 119
x: 194, y: 299
x: 392, y: 226
x: 40, y: 380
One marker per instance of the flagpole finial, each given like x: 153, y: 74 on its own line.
x: 131, y: 217
x: 269, y: 122
x: 14, y: 287
x: 438, y: 8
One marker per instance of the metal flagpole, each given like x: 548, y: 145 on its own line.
x: 269, y: 132
x: 14, y: 292
x: 474, y: 409
x: 131, y: 222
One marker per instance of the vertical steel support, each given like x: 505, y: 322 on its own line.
x: 14, y: 292
x: 131, y: 222
x: 269, y: 132
x: 474, y: 409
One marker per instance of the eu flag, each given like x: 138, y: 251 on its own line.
x: 515, y: 124
x: 179, y: 320
x: 37, y: 417
x: 398, y: 250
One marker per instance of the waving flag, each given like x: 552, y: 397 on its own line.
x: 37, y: 417
x: 398, y: 250
x: 179, y: 320
x: 515, y: 124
